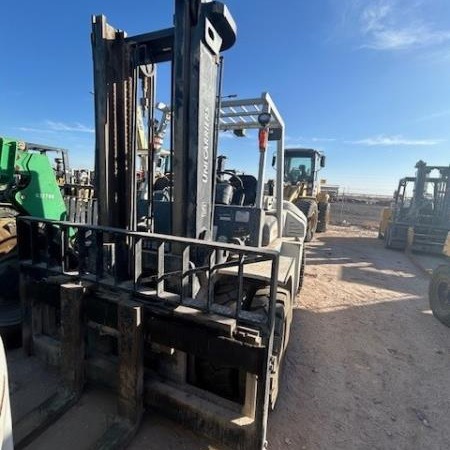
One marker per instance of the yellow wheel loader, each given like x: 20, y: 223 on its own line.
x: 302, y: 188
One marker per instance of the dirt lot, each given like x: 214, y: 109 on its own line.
x: 346, y: 213
x: 367, y: 367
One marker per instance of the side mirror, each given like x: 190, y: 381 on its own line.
x: 322, y: 161
x: 274, y: 160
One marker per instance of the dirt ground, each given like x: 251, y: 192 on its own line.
x: 367, y: 366
x: 345, y: 213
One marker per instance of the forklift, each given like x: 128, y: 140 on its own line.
x: 191, y: 316
x: 421, y: 221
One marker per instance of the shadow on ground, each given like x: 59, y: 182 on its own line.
x: 365, y: 260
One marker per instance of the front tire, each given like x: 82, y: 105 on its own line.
x: 323, y: 217
x: 439, y: 294
x: 309, y: 208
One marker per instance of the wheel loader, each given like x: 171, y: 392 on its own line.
x: 302, y: 187
x: 191, y: 317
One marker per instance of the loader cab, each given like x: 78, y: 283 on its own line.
x: 301, y: 165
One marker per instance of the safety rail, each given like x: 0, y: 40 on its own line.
x: 154, y: 268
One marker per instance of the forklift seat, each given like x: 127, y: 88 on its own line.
x: 250, y: 185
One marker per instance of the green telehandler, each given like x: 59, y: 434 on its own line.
x: 29, y: 185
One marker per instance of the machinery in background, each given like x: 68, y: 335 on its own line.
x: 30, y: 184
x: 331, y: 189
x: 420, y: 220
x: 82, y: 177
x: 193, y: 317
x: 302, y: 187
x: 34, y: 180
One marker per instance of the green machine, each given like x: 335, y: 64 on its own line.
x: 28, y: 180
x: 29, y: 185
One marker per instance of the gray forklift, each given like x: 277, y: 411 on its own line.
x: 190, y: 317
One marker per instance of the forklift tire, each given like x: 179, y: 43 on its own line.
x: 302, y: 271
x: 439, y: 294
x: 222, y: 380
x: 389, y: 241
x: 324, y: 217
x: 281, y: 337
x: 309, y: 208
x: 388, y: 238
x: 229, y: 382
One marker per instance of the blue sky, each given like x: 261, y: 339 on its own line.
x: 366, y: 81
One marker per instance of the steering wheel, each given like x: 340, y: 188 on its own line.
x: 238, y: 180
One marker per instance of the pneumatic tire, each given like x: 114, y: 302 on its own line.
x: 439, y: 294
x: 323, y: 217
x: 309, y: 208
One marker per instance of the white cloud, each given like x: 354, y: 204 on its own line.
x: 397, y: 25
x: 391, y: 141
x: 75, y: 127
x: 34, y: 130
x: 309, y: 139
x: 322, y: 139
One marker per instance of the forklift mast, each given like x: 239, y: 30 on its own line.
x: 202, y: 30
x: 420, y: 183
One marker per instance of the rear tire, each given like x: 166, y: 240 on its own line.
x: 309, y: 208
x: 439, y: 294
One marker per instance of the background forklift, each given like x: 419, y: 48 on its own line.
x: 302, y: 187
x: 421, y: 222
x: 178, y: 322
